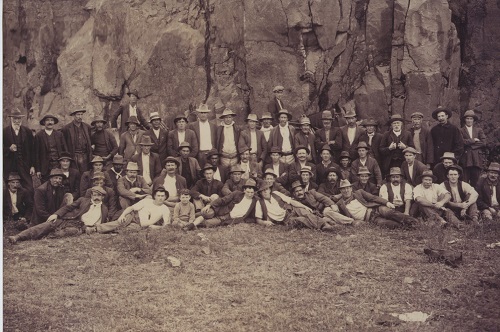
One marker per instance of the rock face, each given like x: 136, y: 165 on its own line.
x: 380, y: 57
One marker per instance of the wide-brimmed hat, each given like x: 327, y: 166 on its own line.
x: 344, y: 184
x: 80, y: 110
x: 132, y: 119
x: 13, y: 177
x: 171, y: 159
x: 302, y: 147
x: 154, y: 116
x: 65, y: 155
x: 494, y: 167
x: 97, y: 159
x: 363, y: 170
x: 118, y: 159
x: 276, y: 149
x: 270, y: 171
x: 449, y: 155
x: 98, y: 175
x: 350, y: 114
x: 266, y: 115
x: 369, y: 122
x: 236, y: 169
x: 146, y: 140
x: 96, y: 119
x: 263, y: 186
x: 284, y: 111
x: 304, y: 120
x: 278, y: 88
x: 131, y: 166
x: 395, y: 171
x: 46, y: 116
x: 456, y: 167
x: 325, y: 147
x: 416, y: 115
x: 180, y: 117
x: 227, y: 112
x: 427, y: 173
x: 447, y: 111
x: 212, y: 152
x: 296, y: 184
x: 243, y: 148
x: 250, y: 183
x: 184, y: 145
x: 362, y: 145
x: 16, y: 113
x: 133, y: 92
x: 326, y: 115
x: 306, y: 169
x: 57, y: 172
x: 470, y: 113
x: 411, y: 150
x: 395, y: 117
x: 97, y: 189
x: 334, y: 169
x: 203, y: 108
x: 208, y: 166
x: 252, y: 117
x: 345, y: 154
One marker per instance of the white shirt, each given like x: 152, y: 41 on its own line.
x: 246, y: 168
x: 274, y: 210
x: 150, y: 213
x: 93, y: 216
x: 285, y: 133
x: 410, y: 170
x: 267, y: 132
x: 132, y: 110
x: 49, y: 132
x: 356, y: 209
x: 469, y: 130
x: 157, y: 132
x: 16, y: 129
x: 13, y: 199
x: 370, y: 138
x: 253, y: 141
x: 432, y: 194
x: 398, y: 133
x: 181, y: 136
x: 170, y: 186
x: 240, y: 210
x: 217, y: 175
x: 398, y: 200
x: 276, y: 169
x: 494, y: 201
x: 205, y: 136
x: 468, y: 190
x: 229, y: 144
x: 351, y: 134
x: 146, y: 174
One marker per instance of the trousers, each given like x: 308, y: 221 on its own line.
x: 45, y: 228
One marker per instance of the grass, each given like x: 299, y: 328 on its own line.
x: 250, y: 278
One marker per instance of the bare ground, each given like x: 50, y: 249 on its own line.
x: 250, y: 278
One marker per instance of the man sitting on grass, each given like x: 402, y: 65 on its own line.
x: 463, y: 195
x: 145, y: 213
x: 489, y: 192
x: 397, y: 191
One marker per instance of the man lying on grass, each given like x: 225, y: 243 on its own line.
x: 145, y: 213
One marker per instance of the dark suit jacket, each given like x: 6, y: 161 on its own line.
x: 427, y: 145
x: 204, y: 188
x: 24, y: 203
x: 301, y: 139
x: 230, y: 186
x: 223, y: 171
x: 284, y: 175
x: 273, y: 107
x: 12, y: 161
x: 180, y: 182
x: 72, y: 183
x: 42, y: 149
x: 173, y: 143
x: 194, y: 167
x: 79, y: 208
x: 86, y: 181
x: 154, y: 164
x: 374, y: 147
x: 224, y: 205
x: 160, y: 143
x: 124, y: 111
x: 373, y: 167
x: 245, y: 141
x: 70, y: 136
x: 484, y: 190
x: 418, y: 169
x: 388, y: 155
x: 366, y: 199
x: 127, y: 145
x: 275, y: 138
x: 47, y: 200
x: 110, y: 200
x: 369, y: 188
x: 220, y: 137
x: 112, y: 177
x: 294, y: 171
x: 346, y: 145
x: 447, y: 138
x: 316, y: 200
x: 321, y: 171
x: 334, y: 135
x: 111, y: 144
x: 472, y: 149
x: 195, y: 126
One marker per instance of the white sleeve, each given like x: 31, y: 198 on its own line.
x: 408, y: 192
x: 258, y: 211
x: 166, y: 216
x: 383, y: 192
x: 284, y: 197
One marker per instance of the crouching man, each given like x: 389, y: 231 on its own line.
x: 145, y: 213
x: 363, y: 206
x: 70, y: 219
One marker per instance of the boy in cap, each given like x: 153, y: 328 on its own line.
x: 159, y: 135
x: 488, y: 189
x: 180, y: 135
x: 445, y: 136
x: 128, y: 110
x: 474, y: 142
x: 397, y: 191
x: 129, y: 140
x: 77, y: 136
x: 422, y: 140
x: 132, y: 187
x: 49, y: 144
x: 184, y: 211
x: 103, y: 141
x: 17, y: 202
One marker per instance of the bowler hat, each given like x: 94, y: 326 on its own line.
x: 227, y: 112
x: 266, y: 115
x: 435, y: 113
x: 326, y: 147
x: 417, y: 115
x: 362, y: 145
x: 118, y: 159
x: 98, y: 118
x: 16, y: 113
x: 494, y: 167
x: 57, y: 172
x: 296, y: 184
x: 132, y: 119
x: 46, y: 116
x: 203, y: 108
x: 208, y: 166
x: 369, y: 122
x: 449, y: 155
x: 133, y: 92
x: 171, y: 159
x: 395, y: 171
x: 98, y: 175
x: 65, y: 155
x: 344, y: 184
x: 250, y: 183
x: 326, y: 115
x: 350, y: 114
x: 252, y: 117
x: 396, y: 117
x: 212, y: 152
x: 80, y: 110
x: 334, y: 169
x: 131, y: 166
x: 270, y: 171
x: 154, y: 116
x: 97, y: 189
x: 13, y: 177
x: 306, y: 169
x: 302, y: 147
x: 411, y: 150
x: 284, y: 111
x: 236, y: 169
x: 363, y: 170
x: 455, y: 167
x: 427, y: 173
x: 345, y: 154
x: 97, y: 159
x: 180, y: 117
x: 278, y: 88
x: 146, y: 140
x: 263, y: 186
x: 184, y: 145
x: 304, y: 120
x: 470, y: 113
x: 276, y: 149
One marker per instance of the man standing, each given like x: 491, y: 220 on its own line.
x: 17, y: 202
x: 48, y: 197
x: 171, y: 181
x: 474, y: 141
x: 266, y: 120
x: 282, y: 137
x: 463, y: 195
x: 276, y: 103
x: 189, y: 168
x: 411, y: 168
x: 149, y: 162
x: 179, y: 135
x: 329, y: 135
x: 206, y: 133
x: 82, y: 213
x: 251, y: 169
x: 393, y: 143
x: 422, y: 140
x: 351, y: 134
x: 489, y: 193
x: 305, y: 137
x: 18, y: 154
x: 159, y: 137
x: 227, y: 137
x: 132, y: 187
x: 77, y: 137
x: 129, y: 140
x: 254, y: 139
x: 397, y: 191
x: 446, y: 137
x: 103, y: 141
x: 301, y: 153
x: 128, y: 110
x: 366, y: 161
x: 372, y: 138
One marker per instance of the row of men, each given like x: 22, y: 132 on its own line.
x: 396, y: 206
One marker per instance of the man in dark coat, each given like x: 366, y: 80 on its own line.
x: 228, y: 135
x: 351, y: 134
x: 70, y: 219
x: 116, y: 171
x: 149, y: 162
x: 17, y: 202
x: 328, y: 135
x: 18, y: 150
x: 234, y: 183
x: 276, y: 103
x: 127, y: 111
x: 77, y: 137
x: 48, y: 197
x: 110, y: 199
x: 488, y: 189
x: 103, y: 141
x: 446, y: 137
x: 71, y: 180
x: 474, y: 142
x: 159, y: 137
x: 49, y: 144
x: 393, y: 143
x: 422, y: 139
x: 204, y: 130
x: 221, y: 172
x: 411, y: 168
x: 372, y: 138
x: 282, y: 137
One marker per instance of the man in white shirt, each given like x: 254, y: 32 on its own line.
x: 227, y: 138
x: 282, y: 136
x: 397, y: 191
x: 171, y: 181
x: 431, y: 199
x: 206, y: 133
x: 149, y: 162
x: 266, y: 121
x: 151, y: 213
